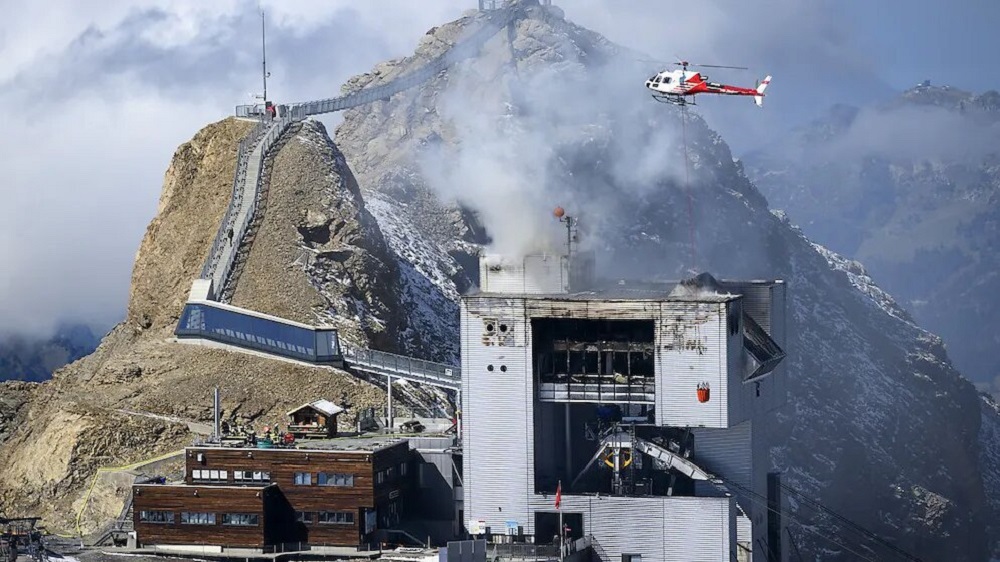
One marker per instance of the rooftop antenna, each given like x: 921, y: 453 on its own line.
x: 571, y: 231
x: 263, y: 48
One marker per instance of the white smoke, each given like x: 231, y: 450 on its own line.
x: 563, y: 129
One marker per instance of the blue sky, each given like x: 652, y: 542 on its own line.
x: 947, y: 42
x: 103, y: 93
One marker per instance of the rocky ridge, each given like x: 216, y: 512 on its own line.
x: 910, y: 187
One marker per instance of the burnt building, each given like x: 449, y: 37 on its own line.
x: 260, y: 498
x: 643, y: 405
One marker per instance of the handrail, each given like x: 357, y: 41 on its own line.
x: 253, y: 151
x: 390, y: 364
x: 464, y: 49
x: 265, y: 133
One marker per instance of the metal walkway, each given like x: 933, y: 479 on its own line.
x: 253, y: 151
x: 467, y: 47
x: 399, y: 366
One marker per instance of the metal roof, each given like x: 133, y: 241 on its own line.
x: 321, y: 406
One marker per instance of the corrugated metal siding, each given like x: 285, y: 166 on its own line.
x: 663, y: 529
x: 738, y: 454
x: 598, y: 309
x: 765, y: 303
x: 739, y: 407
x: 691, y: 349
x: 497, y: 417
x: 744, y: 531
x: 761, y: 462
x: 725, y: 452
x: 533, y: 274
x: 699, y: 529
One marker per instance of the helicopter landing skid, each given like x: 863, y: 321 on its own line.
x: 674, y: 100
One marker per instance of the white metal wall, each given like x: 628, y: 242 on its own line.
x: 530, y: 275
x: 739, y: 454
x: 661, y: 529
x: 496, y: 408
x: 691, y: 349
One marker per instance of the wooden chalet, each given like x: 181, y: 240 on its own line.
x: 260, y: 498
x: 315, y: 419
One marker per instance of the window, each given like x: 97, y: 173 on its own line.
x: 402, y: 469
x: 210, y: 475
x: 162, y: 517
x: 250, y: 476
x: 241, y: 519
x: 329, y: 479
x: 380, y: 477
x: 667, y: 80
x: 336, y: 517
x: 188, y: 518
x: 303, y: 479
x: 631, y: 558
x: 305, y: 516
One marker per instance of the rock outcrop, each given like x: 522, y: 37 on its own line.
x: 910, y: 187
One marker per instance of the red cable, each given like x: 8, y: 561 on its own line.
x: 687, y: 180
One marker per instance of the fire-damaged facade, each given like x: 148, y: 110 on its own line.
x: 642, y: 403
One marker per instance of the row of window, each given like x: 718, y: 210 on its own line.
x: 324, y: 479
x: 325, y: 517
x: 251, y: 476
x: 192, y: 518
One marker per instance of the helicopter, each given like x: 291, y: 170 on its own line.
x: 680, y: 86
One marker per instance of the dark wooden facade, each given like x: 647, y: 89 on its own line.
x: 165, y: 514
x: 345, y: 498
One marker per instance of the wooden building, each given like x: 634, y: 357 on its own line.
x: 315, y: 419
x: 258, y: 498
x: 230, y: 516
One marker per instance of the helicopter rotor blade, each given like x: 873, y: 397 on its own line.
x: 721, y: 66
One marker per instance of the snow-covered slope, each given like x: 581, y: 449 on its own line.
x: 878, y: 424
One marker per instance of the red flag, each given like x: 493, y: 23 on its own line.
x: 558, y: 494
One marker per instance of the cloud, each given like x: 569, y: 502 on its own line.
x: 569, y: 128
x: 911, y: 132
x: 97, y: 98
x: 98, y: 95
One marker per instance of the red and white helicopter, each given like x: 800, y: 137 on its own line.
x: 680, y: 86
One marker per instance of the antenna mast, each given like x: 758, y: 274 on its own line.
x: 263, y: 48
x: 560, y: 214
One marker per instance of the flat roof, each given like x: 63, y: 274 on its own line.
x: 359, y: 445
x: 255, y: 314
x: 621, y: 295
x: 712, y: 290
x: 205, y: 485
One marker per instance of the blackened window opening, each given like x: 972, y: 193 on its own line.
x: 599, y: 358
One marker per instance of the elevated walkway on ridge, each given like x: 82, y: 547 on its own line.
x: 209, y: 319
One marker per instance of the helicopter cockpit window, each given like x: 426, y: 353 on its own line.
x: 657, y: 79
x: 666, y: 80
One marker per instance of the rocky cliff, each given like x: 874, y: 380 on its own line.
x: 911, y: 188
x: 55, y: 435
